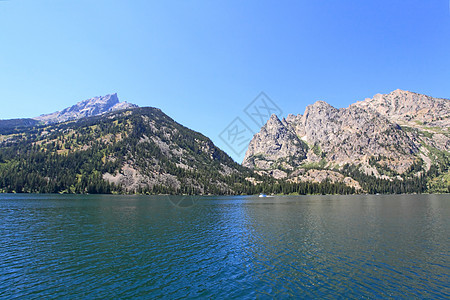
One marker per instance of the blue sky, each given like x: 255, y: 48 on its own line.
x: 203, y: 62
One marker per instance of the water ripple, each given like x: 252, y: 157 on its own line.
x: 55, y: 246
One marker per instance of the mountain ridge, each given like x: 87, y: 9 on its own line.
x: 393, y: 143
x: 139, y: 150
x: 384, y: 136
x: 90, y: 107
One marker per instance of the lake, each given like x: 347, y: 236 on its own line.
x: 102, y: 246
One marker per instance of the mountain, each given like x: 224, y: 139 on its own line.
x: 139, y: 150
x: 411, y: 109
x: 397, y: 139
x: 87, y: 108
x: 91, y: 107
x: 8, y: 125
x: 393, y: 143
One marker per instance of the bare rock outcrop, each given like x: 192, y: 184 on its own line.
x: 409, y: 108
x: 274, y: 141
x: 387, y: 134
x: 87, y: 108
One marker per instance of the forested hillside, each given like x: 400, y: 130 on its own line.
x: 142, y: 150
x: 134, y: 151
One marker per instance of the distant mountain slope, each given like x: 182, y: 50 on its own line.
x: 9, y: 125
x: 401, y: 136
x: 87, y: 108
x: 138, y: 150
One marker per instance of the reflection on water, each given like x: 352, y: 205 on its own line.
x: 224, y: 247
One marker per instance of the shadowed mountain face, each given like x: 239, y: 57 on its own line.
x: 389, y: 136
x: 9, y: 125
x: 87, y: 108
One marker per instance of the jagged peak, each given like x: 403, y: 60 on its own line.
x: 274, y: 117
x: 108, y: 98
x: 387, y: 98
x: 320, y: 104
x: 274, y: 120
x: 398, y: 95
x: 319, y: 107
x: 274, y: 124
x: 399, y: 92
x: 352, y: 135
x: 293, y: 118
x: 89, y: 107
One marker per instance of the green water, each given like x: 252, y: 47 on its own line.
x: 54, y: 246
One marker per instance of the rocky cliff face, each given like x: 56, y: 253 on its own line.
x: 284, y: 143
x: 405, y: 107
x: 87, y: 108
x: 384, y: 136
x: 425, y: 116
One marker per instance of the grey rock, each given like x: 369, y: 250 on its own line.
x: 274, y: 141
x: 408, y: 107
x: 87, y: 108
x: 373, y: 128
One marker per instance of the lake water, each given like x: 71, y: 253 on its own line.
x: 54, y: 246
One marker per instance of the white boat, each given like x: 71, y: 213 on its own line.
x: 262, y: 195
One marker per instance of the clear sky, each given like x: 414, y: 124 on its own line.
x: 203, y: 62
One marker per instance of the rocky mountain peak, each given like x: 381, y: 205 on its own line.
x: 107, y: 100
x: 86, y: 108
x: 318, y: 117
x: 274, y: 141
x: 405, y: 107
x: 292, y: 117
x: 400, y: 92
x: 387, y: 135
x: 320, y: 108
x: 273, y: 121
